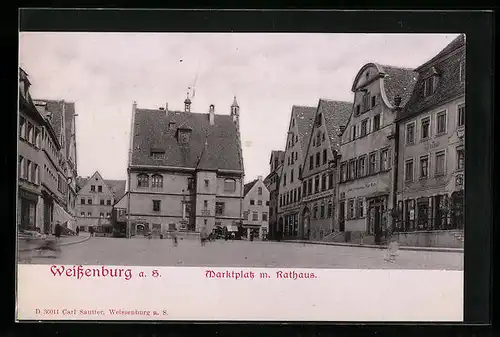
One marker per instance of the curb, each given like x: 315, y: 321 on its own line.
x: 62, y: 244
x: 425, y: 249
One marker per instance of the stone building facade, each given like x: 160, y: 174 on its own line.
x: 256, y: 208
x: 95, y: 201
x: 185, y: 170
x: 290, y: 188
x: 272, y: 182
x: 319, y: 182
x: 367, y: 151
x: 431, y: 161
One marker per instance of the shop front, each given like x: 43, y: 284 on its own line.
x: 27, y: 205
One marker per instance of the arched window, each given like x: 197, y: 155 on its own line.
x: 142, y: 180
x: 229, y: 185
x: 157, y: 180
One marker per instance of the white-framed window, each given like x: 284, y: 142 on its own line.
x: 353, y: 132
x: 384, y: 160
x: 255, y: 216
x: 429, y: 86
x: 264, y: 216
x: 156, y: 205
x: 350, y: 209
x: 440, y: 163
x: 142, y: 181
x: 22, y: 169
x: 441, y: 122
x: 259, y: 202
x: 410, y: 133
x: 89, y: 213
x: 460, y: 158
x: 22, y: 127
x: 364, y: 128
x: 424, y: 167
x: 360, y: 208
x: 376, y: 122
x: 157, y: 181
x: 461, y: 115
x: 425, y: 128
x: 37, y: 174
x: 82, y: 214
x: 409, y: 169
x: 30, y: 133
x: 30, y: 177
x: 362, y: 166
x: 372, y: 163
x: 352, y: 169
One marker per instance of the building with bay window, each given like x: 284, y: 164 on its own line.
x: 256, y: 208
x: 367, y: 151
x: 185, y: 170
x: 319, y: 181
x: 290, y: 186
x: 431, y: 157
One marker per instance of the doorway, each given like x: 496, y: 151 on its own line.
x: 140, y: 230
x: 375, y: 220
x: 342, y: 216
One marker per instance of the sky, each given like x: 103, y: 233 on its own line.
x: 104, y: 73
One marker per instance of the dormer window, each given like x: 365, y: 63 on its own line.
x: 183, y: 136
x: 430, y: 83
x: 158, y: 155
x: 319, y: 119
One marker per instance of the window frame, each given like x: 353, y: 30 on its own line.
x: 377, y: 126
x: 460, y: 119
x: 460, y: 149
x: 157, y: 181
x: 156, y: 202
x: 142, y: 180
x: 429, y: 128
x: 408, y: 141
x: 436, y: 154
x: 421, y: 159
x: 381, y: 157
x: 373, y: 170
x: 364, y: 128
x: 439, y: 114
x: 407, y: 178
x: 232, y: 187
x: 361, y: 171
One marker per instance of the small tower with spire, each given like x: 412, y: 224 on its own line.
x: 235, y: 111
x: 187, y: 104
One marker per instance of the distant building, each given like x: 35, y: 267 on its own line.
x: 95, y: 201
x: 431, y: 157
x: 290, y: 188
x: 368, y: 146
x: 185, y: 169
x: 272, y: 182
x: 319, y: 173
x: 256, y: 208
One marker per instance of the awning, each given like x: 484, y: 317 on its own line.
x: 61, y: 216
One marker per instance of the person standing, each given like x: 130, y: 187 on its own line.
x: 77, y: 230
x: 57, y: 231
x: 91, y: 231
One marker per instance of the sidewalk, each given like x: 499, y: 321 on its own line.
x: 25, y: 245
x: 345, y: 244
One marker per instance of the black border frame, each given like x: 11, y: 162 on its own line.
x: 478, y: 27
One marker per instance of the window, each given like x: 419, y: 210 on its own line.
x: 255, y: 216
x: 461, y: 115
x: 360, y: 208
x: 350, y: 209
x: 29, y: 178
x: 206, y: 183
x: 440, y: 160
x: 309, y: 187
x: 343, y: 172
x: 304, y: 187
x: 323, y: 182
x: 37, y: 174
x: 384, y: 160
x: 373, y: 101
x: 298, y: 193
x: 441, y: 123
x: 322, y: 211
x: 424, y: 167
x: 92, y: 188
x: 259, y: 191
x: 82, y: 214
x: 267, y: 203
x: 284, y: 179
x: 323, y: 137
x: 82, y: 201
x: 376, y: 122
x: 22, y: 127
x: 158, y: 155
x: 259, y: 202
x: 410, y: 133
x: 315, y: 211
x: 325, y: 157
x: 252, y: 202
x: 156, y: 205
x: 291, y: 179
x: 366, y: 101
x: 429, y: 86
x: 300, y: 171
x: 461, y: 74
x: 142, y: 180
x: 99, y: 188
x: 311, y: 162
x: 30, y: 133
x: 101, y: 214
x: 330, y: 180
x: 108, y: 202
x: 101, y: 202
x: 219, y: 208
x: 89, y: 201
x: 318, y: 159
x: 157, y: 181
x: 37, y: 137
x: 329, y: 210
x: 264, y: 216
x: 358, y: 108
x: 229, y: 185
x: 316, y: 184
x: 425, y: 124
x: 89, y: 213
x: 364, y: 128
x: 362, y: 166
x: 352, y: 169
x: 353, y: 132
x: 409, y: 170
x: 21, y: 167
x: 460, y: 159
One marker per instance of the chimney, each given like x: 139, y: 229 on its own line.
x: 166, y: 106
x: 211, y: 114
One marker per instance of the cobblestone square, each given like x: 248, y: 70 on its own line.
x: 156, y: 252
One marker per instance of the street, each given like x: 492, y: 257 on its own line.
x: 156, y: 252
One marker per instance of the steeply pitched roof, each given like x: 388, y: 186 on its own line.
x: 116, y: 186
x: 279, y: 154
x: 249, y: 186
x: 336, y: 114
x: 399, y: 81
x: 69, y: 111
x: 304, y: 117
x: 80, y: 182
x: 449, y: 86
x: 222, y: 150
